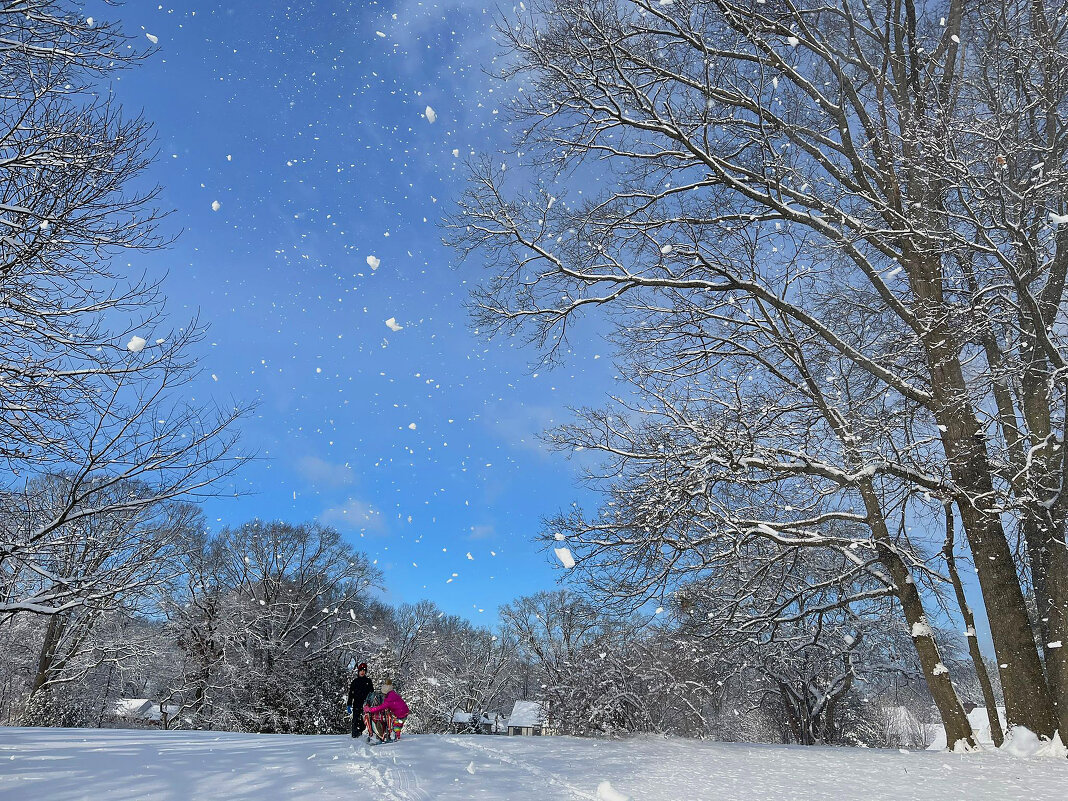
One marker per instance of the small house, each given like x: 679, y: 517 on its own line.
x: 144, y: 712
x: 461, y: 722
x: 529, y: 718
x: 479, y: 722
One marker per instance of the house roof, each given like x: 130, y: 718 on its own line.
x: 142, y: 709
x: 526, y: 714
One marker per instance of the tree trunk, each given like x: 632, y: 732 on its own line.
x: 1023, y: 682
x: 793, y: 718
x: 1027, y: 697
x: 1043, y: 525
x: 1057, y: 628
x: 47, y: 657
x: 954, y: 719
x: 107, y: 694
x: 996, y: 734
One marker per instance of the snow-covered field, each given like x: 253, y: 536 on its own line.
x: 115, y: 765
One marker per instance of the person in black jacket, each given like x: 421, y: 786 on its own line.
x: 361, y: 687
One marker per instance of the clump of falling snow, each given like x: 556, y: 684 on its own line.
x: 393, y: 324
x: 373, y: 262
x: 136, y: 344
x: 565, y: 557
x: 431, y: 115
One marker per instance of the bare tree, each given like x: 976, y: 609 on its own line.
x: 267, y: 619
x: 90, y: 370
x: 449, y: 667
x: 881, y: 191
x: 68, y: 160
x: 98, y: 568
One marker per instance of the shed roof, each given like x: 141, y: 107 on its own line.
x: 526, y: 714
x: 142, y: 709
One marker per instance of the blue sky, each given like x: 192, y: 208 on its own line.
x: 293, y: 145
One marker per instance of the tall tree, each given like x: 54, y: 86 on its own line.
x: 880, y: 180
x: 91, y: 371
x: 267, y: 620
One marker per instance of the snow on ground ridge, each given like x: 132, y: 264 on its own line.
x: 124, y: 765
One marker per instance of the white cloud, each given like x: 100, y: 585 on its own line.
x: 483, y: 531
x: 353, y: 515
x: 323, y: 473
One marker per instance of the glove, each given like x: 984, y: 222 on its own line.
x: 349, y: 709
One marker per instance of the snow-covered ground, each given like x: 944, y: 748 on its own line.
x: 116, y: 765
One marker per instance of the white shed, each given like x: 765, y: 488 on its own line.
x: 529, y: 718
x: 144, y: 711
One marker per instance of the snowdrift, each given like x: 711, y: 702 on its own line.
x: 127, y: 765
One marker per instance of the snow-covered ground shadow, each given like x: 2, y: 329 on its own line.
x: 112, y: 765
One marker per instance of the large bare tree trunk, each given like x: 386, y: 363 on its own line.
x: 1027, y: 698
x: 1057, y: 627
x: 47, y: 656
x: 996, y: 733
x: 935, y: 673
x: 1023, y: 682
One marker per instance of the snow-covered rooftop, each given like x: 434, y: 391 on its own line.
x: 526, y: 714
x: 142, y: 709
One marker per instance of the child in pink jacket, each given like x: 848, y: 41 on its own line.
x: 395, y: 704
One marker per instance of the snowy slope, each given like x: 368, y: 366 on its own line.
x: 67, y: 764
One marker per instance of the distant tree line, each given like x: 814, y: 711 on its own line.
x: 258, y: 629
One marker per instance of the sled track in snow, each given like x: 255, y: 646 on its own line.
x: 533, y: 770
x: 399, y: 782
